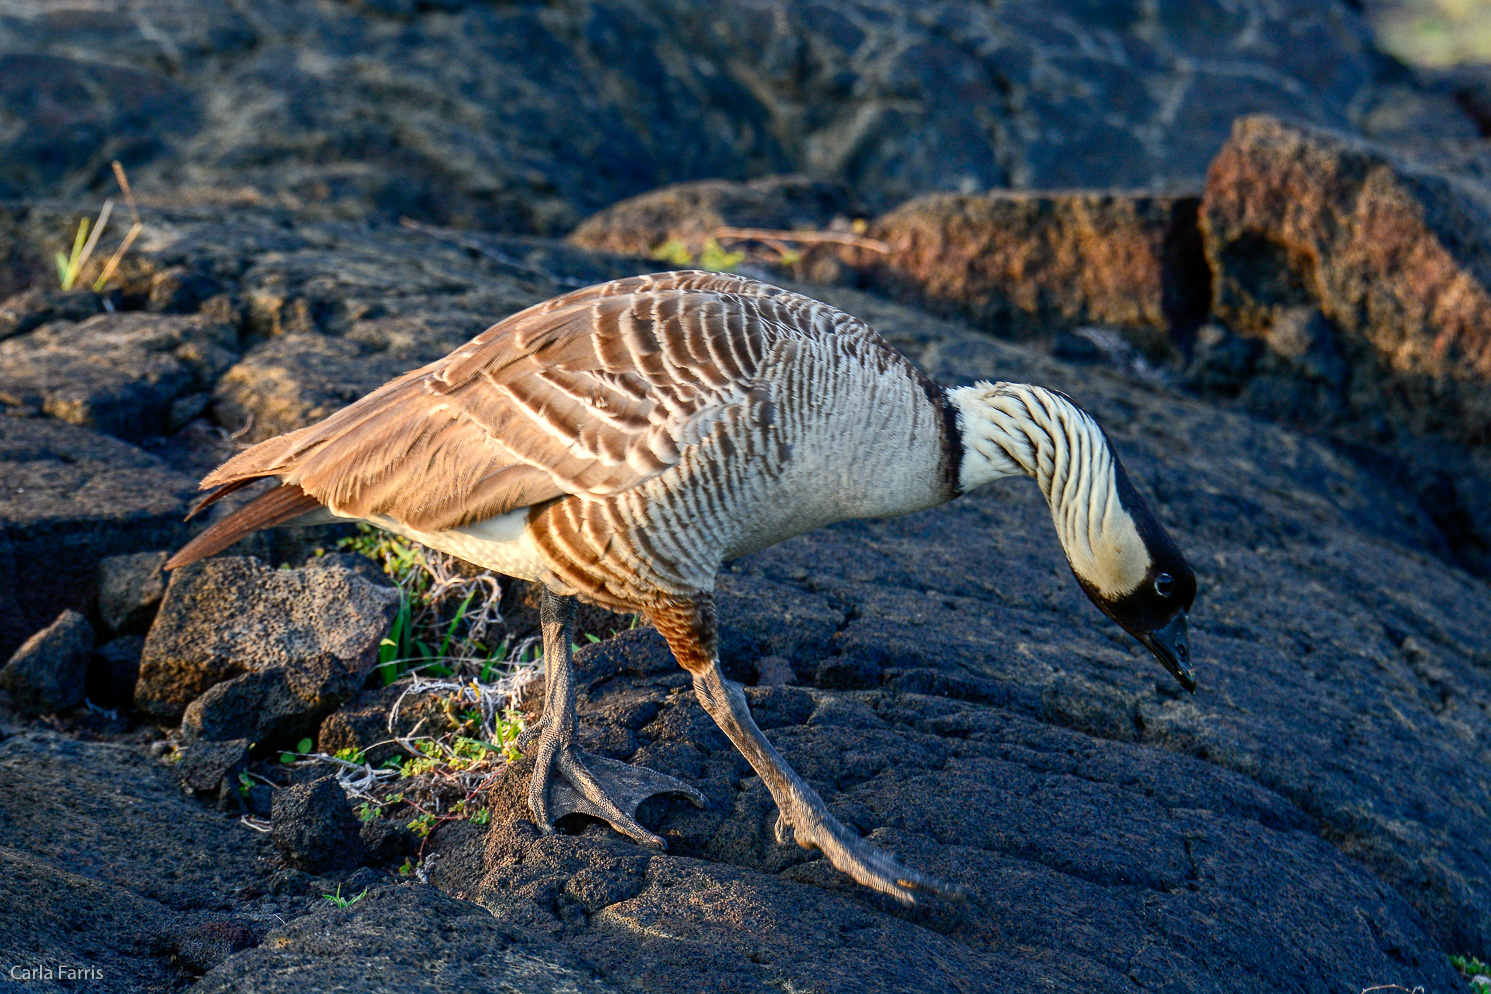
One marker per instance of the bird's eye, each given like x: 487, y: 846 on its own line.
x: 1164, y: 584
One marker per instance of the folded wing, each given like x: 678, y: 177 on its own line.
x: 589, y: 394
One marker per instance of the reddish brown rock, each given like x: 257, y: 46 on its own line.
x: 1024, y: 262
x: 690, y: 213
x: 1396, y: 256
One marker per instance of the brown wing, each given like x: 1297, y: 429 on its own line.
x: 589, y: 393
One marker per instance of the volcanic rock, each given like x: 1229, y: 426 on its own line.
x: 314, y: 827
x: 309, y: 636
x: 46, y: 673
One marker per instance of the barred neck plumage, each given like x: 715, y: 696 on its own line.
x: 1010, y: 429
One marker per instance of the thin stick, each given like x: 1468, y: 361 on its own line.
x: 801, y: 237
x: 129, y: 197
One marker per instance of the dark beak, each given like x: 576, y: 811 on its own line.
x: 1169, y: 646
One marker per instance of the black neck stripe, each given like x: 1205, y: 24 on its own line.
x: 952, y: 435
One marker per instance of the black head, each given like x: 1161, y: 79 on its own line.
x: 1156, y: 610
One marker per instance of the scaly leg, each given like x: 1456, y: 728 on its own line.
x: 689, y: 628
x: 587, y: 784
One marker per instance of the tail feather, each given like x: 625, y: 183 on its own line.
x: 271, y: 508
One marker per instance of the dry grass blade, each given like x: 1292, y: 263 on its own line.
x: 113, y: 263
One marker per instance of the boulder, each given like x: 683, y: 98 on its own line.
x: 1026, y: 263
x: 119, y: 374
x: 46, y: 673
x: 130, y: 588
x: 689, y: 213
x: 1397, y: 256
x: 314, y: 634
x: 70, y: 498
x: 314, y: 827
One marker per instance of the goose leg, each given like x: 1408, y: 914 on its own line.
x: 585, y: 783
x: 802, y: 815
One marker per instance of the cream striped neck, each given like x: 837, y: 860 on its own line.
x: 1010, y: 429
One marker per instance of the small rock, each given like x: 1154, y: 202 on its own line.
x: 47, y: 672
x: 258, y: 706
x: 315, y: 829
x: 388, y: 840
x: 204, y: 946
x: 205, y: 766
x: 185, y: 409
x: 846, y: 673
x: 1075, y: 348
x: 113, y: 671
x: 689, y: 213
x: 291, y: 882
x: 130, y: 589
x: 228, y: 616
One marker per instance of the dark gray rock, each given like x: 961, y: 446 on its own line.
x: 119, y: 374
x: 313, y: 634
x: 39, y: 305
x: 388, y: 841
x: 107, y: 863
x: 406, y: 938
x: 465, y: 112
x: 212, y: 768
x: 314, y: 827
x: 130, y: 588
x: 363, y: 722
x: 113, y: 670
x: 46, y: 673
x: 68, y: 499
x: 262, y: 706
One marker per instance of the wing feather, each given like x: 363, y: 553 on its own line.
x: 589, y: 394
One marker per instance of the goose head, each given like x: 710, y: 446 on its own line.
x: 1121, y: 554
x: 1135, y: 574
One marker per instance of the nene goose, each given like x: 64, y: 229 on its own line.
x: 619, y: 443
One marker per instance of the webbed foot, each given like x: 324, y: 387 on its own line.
x: 599, y: 787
